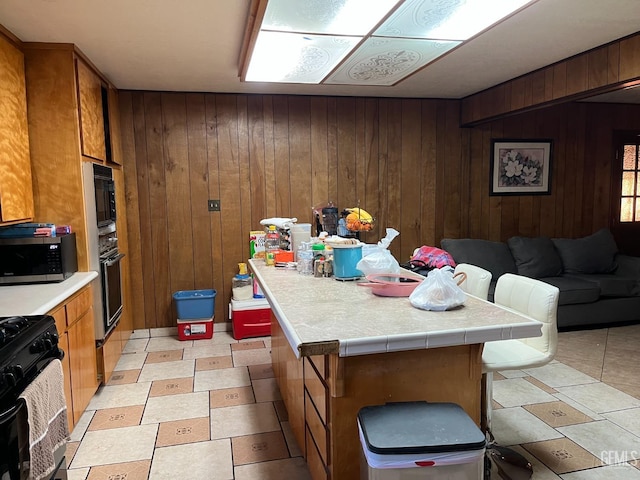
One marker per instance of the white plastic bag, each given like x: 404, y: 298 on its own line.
x: 438, y: 292
x: 381, y: 261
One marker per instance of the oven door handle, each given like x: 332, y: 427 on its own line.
x: 113, y: 260
x: 9, y: 414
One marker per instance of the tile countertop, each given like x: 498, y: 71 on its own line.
x: 324, y: 315
x: 40, y: 298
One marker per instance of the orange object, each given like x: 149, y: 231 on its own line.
x: 284, y: 256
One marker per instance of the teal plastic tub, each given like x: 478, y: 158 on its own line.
x: 195, y: 304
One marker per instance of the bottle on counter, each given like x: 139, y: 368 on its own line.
x: 242, y: 284
x: 271, y: 245
x: 305, y: 259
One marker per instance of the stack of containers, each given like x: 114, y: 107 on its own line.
x: 194, y: 309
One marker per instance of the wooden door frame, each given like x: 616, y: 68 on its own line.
x: 624, y: 233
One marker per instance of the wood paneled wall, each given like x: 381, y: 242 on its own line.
x: 406, y: 161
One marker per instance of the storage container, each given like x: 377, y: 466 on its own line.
x: 195, y: 304
x: 195, y: 329
x: 345, y: 259
x: 419, y: 440
x: 250, y: 318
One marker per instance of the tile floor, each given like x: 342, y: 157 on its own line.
x: 211, y: 409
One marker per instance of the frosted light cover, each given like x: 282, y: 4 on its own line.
x: 342, y: 17
x: 446, y: 19
x: 385, y: 61
x: 296, y: 58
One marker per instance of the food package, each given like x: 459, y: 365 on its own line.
x: 256, y: 244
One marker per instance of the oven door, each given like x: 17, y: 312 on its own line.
x: 111, y: 291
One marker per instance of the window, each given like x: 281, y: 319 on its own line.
x: 630, y: 188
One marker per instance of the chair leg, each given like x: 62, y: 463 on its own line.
x: 485, y: 405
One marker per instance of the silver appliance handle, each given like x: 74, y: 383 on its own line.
x: 112, y: 261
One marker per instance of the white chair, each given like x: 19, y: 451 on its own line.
x: 529, y: 297
x: 477, y: 281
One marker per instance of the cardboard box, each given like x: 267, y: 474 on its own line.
x: 256, y: 243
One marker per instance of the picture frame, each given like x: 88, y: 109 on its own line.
x: 520, y: 167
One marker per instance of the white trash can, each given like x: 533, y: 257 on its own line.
x: 419, y: 440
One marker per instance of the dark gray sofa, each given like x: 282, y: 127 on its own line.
x: 598, y: 286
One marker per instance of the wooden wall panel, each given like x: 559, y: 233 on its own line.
x: 407, y: 161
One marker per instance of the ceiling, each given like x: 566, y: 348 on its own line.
x: 194, y: 45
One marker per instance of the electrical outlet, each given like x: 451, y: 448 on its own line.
x: 214, y: 205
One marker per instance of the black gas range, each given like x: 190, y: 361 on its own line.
x: 27, y: 345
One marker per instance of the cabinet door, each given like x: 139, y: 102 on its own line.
x: 63, y: 343
x: 92, y: 128
x: 16, y: 192
x: 83, y: 366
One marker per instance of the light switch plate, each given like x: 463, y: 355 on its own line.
x: 214, y: 205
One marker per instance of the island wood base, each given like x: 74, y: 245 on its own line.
x: 323, y: 394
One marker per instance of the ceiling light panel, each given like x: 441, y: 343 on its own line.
x: 446, y: 19
x: 296, y: 58
x: 385, y: 61
x: 334, y: 17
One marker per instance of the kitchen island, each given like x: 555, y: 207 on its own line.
x: 336, y: 347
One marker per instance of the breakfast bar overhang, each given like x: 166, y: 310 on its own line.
x: 336, y: 348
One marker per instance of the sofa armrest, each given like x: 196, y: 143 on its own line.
x: 628, y: 266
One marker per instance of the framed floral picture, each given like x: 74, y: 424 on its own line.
x: 521, y: 167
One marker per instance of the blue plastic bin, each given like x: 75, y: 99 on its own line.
x: 195, y: 304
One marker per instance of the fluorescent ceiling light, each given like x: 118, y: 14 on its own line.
x: 362, y: 42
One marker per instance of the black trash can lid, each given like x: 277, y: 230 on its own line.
x: 418, y: 427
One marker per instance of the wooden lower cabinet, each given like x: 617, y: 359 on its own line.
x: 323, y: 394
x: 74, y: 321
x: 109, y: 354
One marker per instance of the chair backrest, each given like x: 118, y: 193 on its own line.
x: 477, y: 282
x: 536, y: 299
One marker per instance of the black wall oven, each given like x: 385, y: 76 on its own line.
x: 110, y: 271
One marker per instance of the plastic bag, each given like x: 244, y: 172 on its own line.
x: 438, y: 292
x: 381, y: 261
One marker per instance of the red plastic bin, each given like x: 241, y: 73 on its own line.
x: 250, y: 318
x: 200, y: 329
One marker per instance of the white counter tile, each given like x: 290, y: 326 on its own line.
x: 41, y: 298
x: 322, y: 310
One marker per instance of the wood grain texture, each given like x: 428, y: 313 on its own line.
x: 417, y: 170
x: 16, y: 191
x: 602, y: 69
x: 91, y: 113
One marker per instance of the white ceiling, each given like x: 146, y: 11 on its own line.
x: 193, y: 45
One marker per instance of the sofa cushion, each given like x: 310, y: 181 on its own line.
x: 535, y: 257
x: 493, y: 256
x: 612, y: 285
x: 592, y: 254
x: 574, y: 290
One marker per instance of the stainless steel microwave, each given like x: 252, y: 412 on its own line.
x: 37, y: 259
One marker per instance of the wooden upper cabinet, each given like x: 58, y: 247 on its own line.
x: 92, y: 113
x: 16, y: 192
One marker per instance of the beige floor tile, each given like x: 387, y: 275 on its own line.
x: 166, y: 370
x: 135, y: 345
x: 131, y: 361
x: 266, y: 390
x: 260, y: 447
x: 123, y: 377
x: 140, y: 333
x: 619, y: 366
x: 556, y: 375
x: 289, y: 469
x: 183, y: 431
x: 213, y: 363
x: 164, y: 356
x: 158, y: 344
x: 208, y: 350
x: 224, y: 378
x: 261, y: 371
x: 116, y: 418
x: 627, y: 419
x: 613, y: 472
x: 557, y: 414
x: 540, y: 385
x: 247, y: 345
x: 515, y: 426
x: 517, y: 391
x: 243, y: 420
x: 81, y: 426
x: 121, y: 471
x: 176, y: 407
x: 254, y: 356
x: 172, y: 386
x: 72, y: 448
x: 194, y: 461
x: 603, y: 436
x: 292, y: 444
x: 228, y: 397
x: 633, y: 390
x: 118, y: 445
x: 562, y: 455
x: 498, y: 376
x: 77, y: 474
x: 600, y: 397
x: 163, y: 332
x: 222, y: 338
x: 120, y: 396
